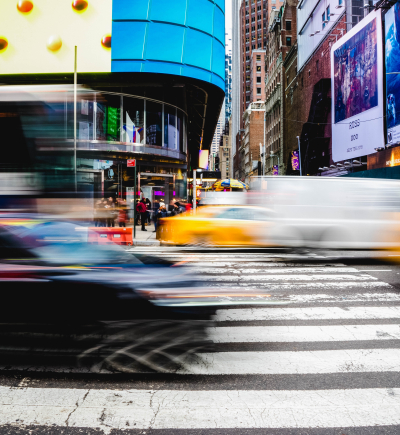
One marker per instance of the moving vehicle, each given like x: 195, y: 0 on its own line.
x: 230, y: 225
x: 331, y: 212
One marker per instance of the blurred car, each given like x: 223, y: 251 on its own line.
x: 219, y: 226
x: 69, y: 303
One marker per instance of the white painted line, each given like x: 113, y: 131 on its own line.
x: 263, y: 287
x: 310, y: 313
x: 285, y: 363
x: 375, y: 270
x: 286, y: 270
x: 356, y: 297
x: 220, y: 409
x: 251, y: 263
x: 289, y: 278
x: 297, y: 334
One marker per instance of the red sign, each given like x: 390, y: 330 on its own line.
x: 131, y: 163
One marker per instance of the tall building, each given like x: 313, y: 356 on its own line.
x: 150, y: 97
x: 228, y: 84
x: 236, y: 83
x: 218, y: 132
x: 253, y: 38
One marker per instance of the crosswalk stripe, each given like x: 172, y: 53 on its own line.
x: 222, y: 409
x: 297, y: 334
x: 290, y: 278
x: 310, y: 313
x: 342, y: 298
x: 272, y: 270
x: 315, y: 285
x: 288, y: 362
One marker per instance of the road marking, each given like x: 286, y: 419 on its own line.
x: 375, y: 270
x: 222, y: 409
x: 241, y: 270
x: 290, y: 278
x: 310, y: 313
x: 287, y: 363
x: 297, y: 334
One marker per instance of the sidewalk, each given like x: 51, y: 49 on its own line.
x: 145, y: 238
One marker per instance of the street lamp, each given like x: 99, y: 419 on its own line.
x: 298, y: 143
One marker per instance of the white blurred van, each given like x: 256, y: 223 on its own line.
x: 332, y: 213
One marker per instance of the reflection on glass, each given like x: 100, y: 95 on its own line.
x: 170, y: 132
x: 180, y: 131
x: 153, y: 123
x: 133, y: 127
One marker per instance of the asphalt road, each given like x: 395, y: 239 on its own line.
x: 323, y: 358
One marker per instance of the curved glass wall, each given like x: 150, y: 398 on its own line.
x: 110, y: 122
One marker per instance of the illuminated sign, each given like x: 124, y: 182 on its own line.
x: 357, y: 90
x: 43, y: 38
x: 295, y: 160
x: 203, y: 159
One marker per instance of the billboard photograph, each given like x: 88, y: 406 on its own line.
x: 357, y: 100
x: 392, y: 61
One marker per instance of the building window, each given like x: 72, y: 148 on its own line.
x: 317, y: 65
x: 323, y: 20
x: 259, y: 45
x: 340, y: 2
x: 288, y: 25
x: 258, y: 57
x: 258, y: 79
x: 328, y: 13
x: 258, y: 91
x: 247, y: 98
x: 259, y: 68
x: 288, y: 41
x: 247, y: 88
x: 253, y: 47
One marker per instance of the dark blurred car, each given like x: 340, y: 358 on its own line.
x: 68, y: 303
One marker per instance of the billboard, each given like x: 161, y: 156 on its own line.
x: 42, y: 37
x: 203, y: 159
x: 392, y: 61
x: 357, y: 90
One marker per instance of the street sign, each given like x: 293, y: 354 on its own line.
x: 210, y: 174
x: 131, y: 163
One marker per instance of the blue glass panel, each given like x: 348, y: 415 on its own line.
x: 219, y: 25
x: 200, y: 13
x: 171, y: 12
x: 126, y: 65
x: 221, y: 4
x: 218, y: 81
x: 127, y: 39
x: 218, y: 59
x: 198, y: 48
x: 165, y: 67
x: 164, y: 42
x: 130, y: 9
x: 196, y: 73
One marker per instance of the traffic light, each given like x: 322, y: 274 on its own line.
x: 216, y: 161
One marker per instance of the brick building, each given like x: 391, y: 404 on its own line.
x: 307, y: 105
x: 281, y: 37
x: 253, y: 139
x: 253, y: 37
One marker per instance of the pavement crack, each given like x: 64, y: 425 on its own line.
x: 77, y: 405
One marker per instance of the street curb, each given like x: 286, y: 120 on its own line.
x: 146, y: 243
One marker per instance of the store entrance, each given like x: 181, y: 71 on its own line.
x: 157, y: 187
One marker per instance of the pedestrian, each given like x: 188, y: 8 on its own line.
x: 110, y: 206
x: 141, y: 208
x: 122, y: 217
x: 148, y: 208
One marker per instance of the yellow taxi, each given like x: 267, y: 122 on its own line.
x: 218, y: 226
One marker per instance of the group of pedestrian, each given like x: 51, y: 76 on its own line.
x: 108, y: 212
